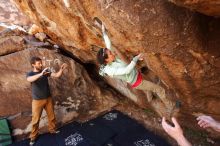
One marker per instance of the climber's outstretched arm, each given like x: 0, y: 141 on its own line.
x: 106, y: 39
x: 110, y: 47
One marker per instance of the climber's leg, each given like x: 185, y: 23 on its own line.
x: 149, y: 86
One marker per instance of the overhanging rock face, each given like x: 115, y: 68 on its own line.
x: 182, y: 47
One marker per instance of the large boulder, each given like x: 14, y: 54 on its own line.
x: 181, y: 46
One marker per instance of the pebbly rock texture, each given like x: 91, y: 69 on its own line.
x: 208, y: 7
x: 181, y: 47
x: 74, y: 93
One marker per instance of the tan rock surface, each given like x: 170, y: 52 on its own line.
x: 11, y: 41
x: 10, y: 14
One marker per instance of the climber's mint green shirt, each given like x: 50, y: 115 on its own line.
x: 119, y: 69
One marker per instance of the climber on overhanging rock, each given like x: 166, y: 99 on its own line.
x: 114, y: 67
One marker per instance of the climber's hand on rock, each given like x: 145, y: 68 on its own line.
x: 140, y: 56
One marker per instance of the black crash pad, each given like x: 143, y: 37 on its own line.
x: 139, y: 136
x: 111, y: 129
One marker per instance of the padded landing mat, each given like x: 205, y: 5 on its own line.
x: 116, y: 121
x: 110, y: 129
x: 139, y: 136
